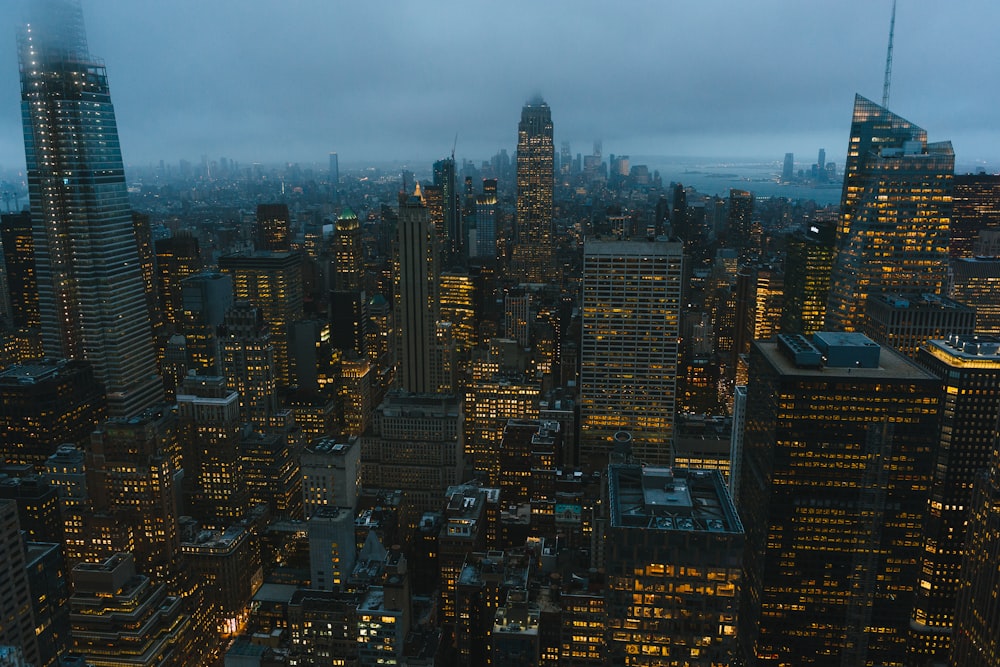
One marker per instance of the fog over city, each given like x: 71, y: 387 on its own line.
x: 257, y: 80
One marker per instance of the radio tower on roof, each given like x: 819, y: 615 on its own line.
x: 888, y: 59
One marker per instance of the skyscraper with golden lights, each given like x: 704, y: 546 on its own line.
x: 895, y: 212
x: 535, y: 156
x: 631, y: 327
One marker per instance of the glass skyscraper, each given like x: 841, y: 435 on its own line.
x: 91, y: 296
x: 895, y: 211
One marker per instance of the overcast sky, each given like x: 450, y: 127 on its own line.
x: 291, y: 80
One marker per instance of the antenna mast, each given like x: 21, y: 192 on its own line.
x: 888, y: 59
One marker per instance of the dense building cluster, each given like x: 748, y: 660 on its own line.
x: 538, y: 411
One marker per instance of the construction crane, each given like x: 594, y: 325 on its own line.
x: 888, y: 59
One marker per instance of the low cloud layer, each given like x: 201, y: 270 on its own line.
x: 258, y: 80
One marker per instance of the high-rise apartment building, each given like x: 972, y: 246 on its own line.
x: 416, y: 299
x: 836, y: 469
x: 91, y: 292
x: 631, y: 328
x: 895, y: 211
x: 535, y: 179
x: 969, y: 368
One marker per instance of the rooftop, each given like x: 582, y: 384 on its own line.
x: 670, y: 499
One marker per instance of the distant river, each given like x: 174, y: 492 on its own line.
x: 717, y: 178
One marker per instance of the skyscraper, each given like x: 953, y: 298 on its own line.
x: 631, y: 326
x: 91, y: 295
x: 535, y: 155
x: 969, y: 368
x: 444, y: 178
x: 416, y: 298
x: 836, y: 468
x: 895, y: 210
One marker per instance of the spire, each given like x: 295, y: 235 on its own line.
x: 888, y: 59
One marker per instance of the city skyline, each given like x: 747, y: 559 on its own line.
x: 679, y: 80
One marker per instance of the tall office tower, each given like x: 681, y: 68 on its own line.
x: 334, y: 174
x: 821, y: 160
x: 17, y: 623
x: 679, y: 222
x: 357, y: 382
x: 349, y: 268
x: 272, y: 228
x: 631, y: 327
x: 788, y: 168
x: 808, y: 262
x: 272, y: 281
x: 248, y: 363
x: 769, y: 294
x: 969, y: 368
x: 975, y: 206
x: 19, y: 259
x: 91, y: 296
x: 348, y: 301
x: 415, y: 445
x: 975, y: 641
x: 205, y: 298
x: 176, y: 258
x: 674, y: 534
x: 416, y: 299
x: 215, y: 490
x: 535, y: 153
x: 490, y: 402
x: 905, y: 322
x: 133, y: 465
x: 112, y: 595
x: 837, y: 467
x: 46, y: 403
x: 444, y: 178
x: 740, y: 227
x: 895, y: 211
x: 457, y: 294
x: 37, y: 507
x: 565, y: 158
x: 486, y: 222
x: 975, y: 281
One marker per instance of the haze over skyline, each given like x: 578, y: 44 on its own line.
x: 269, y: 82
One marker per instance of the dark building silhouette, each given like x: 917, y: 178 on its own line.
x: 975, y: 202
x: 19, y: 259
x: 45, y: 403
x: 272, y: 230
